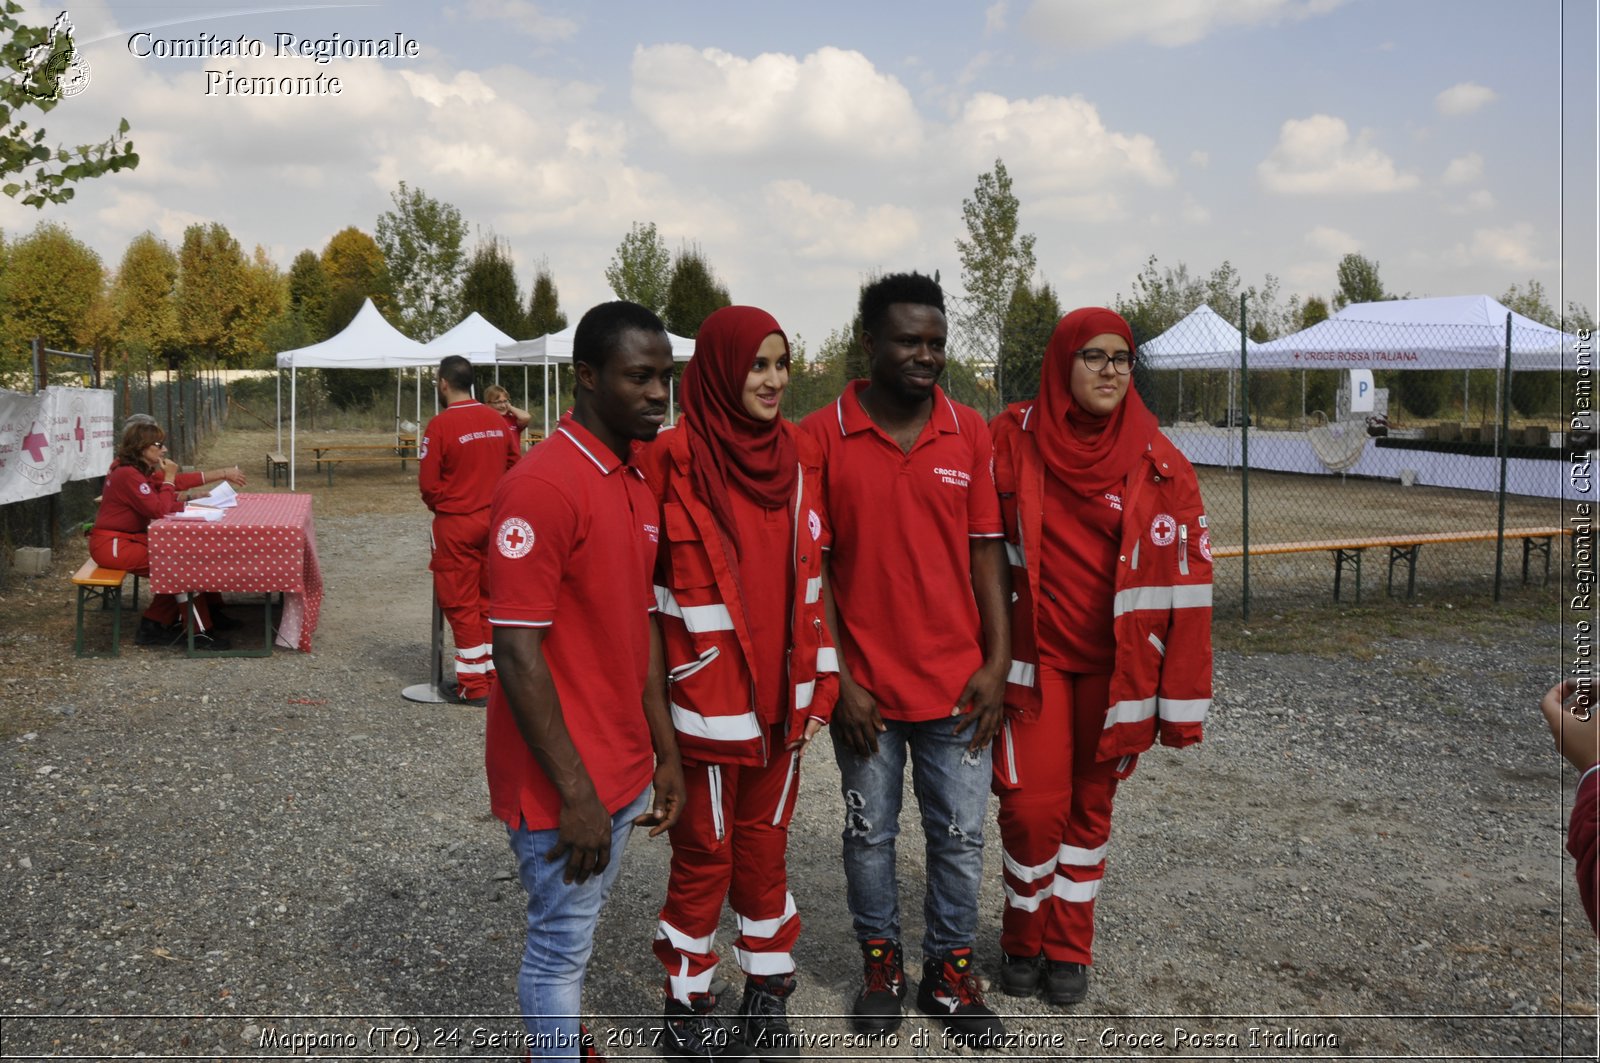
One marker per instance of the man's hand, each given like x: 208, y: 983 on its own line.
x: 584, y: 839
x: 856, y: 719
x: 982, y: 705
x: 813, y: 725
x: 1577, y: 737
x: 667, y: 798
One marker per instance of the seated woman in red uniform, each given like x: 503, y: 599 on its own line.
x: 751, y: 672
x: 1110, y: 635
x: 139, y: 490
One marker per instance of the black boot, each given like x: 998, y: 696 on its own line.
x: 764, y: 1018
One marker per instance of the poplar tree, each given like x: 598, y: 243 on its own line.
x: 692, y: 293
x: 995, y: 259
x: 641, y: 269
x: 544, y: 306
x: 490, y: 288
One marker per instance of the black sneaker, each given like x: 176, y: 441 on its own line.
x: 692, y: 1032
x: 221, y: 621
x: 764, y: 1017
x: 206, y: 640
x: 1065, y: 983
x: 1020, y: 975
x: 877, y: 1006
x: 151, y: 633
x: 452, y: 694
x: 951, y: 991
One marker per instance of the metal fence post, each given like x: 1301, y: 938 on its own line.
x: 1505, y: 441
x: 1244, y: 445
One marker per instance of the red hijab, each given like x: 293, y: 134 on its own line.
x: 730, y: 448
x: 1087, y: 453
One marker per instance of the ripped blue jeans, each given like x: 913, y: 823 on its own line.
x: 952, y: 790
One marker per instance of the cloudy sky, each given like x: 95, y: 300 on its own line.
x: 803, y: 146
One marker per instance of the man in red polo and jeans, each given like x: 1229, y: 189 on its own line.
x: 918, y: 602
x: 578, y: 727
x: 462, y: 456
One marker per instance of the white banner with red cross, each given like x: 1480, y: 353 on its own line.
x: 51, y: 437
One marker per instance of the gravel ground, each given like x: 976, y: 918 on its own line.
x: 281, y: 857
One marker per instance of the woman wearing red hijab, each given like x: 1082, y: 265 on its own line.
x: 751, y: 673
x: 1110, y: 630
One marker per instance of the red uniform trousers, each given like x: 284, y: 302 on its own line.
x: 730, y: 842
x: 460, y: 567
x: 1055, y: 822
x: 130, y: 552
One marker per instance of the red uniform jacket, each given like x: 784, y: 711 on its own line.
x: 1161, y: 681
x: 131, y: 500
x: 704, y: 633
x: 463, y: 454
x: 1583, y: 842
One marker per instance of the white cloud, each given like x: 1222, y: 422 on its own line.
x: 1199, y: 159
x: 1194, y: 213
x: 1477, y: 201
x: 1088, y: 24
x: 520, y: 15
x: 1053, y: 145
x: 1465, y: 170
x: 821, y: 226
x: 1511, y: 247
x: 712, y: 102
x: 994, y: 18
x: 1332, y: 242
x: 1317, y: 155
x: 1464, y: 98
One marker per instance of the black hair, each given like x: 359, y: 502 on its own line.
x: 600, y: 330
x: 456, y: 371
x: 877, y: 297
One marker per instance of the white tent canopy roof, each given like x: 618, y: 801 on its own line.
x: 1202, y: 340
x: 556, y: 348
x: 474, y: 338
x: 1449, y: 332
x: 368, y: 342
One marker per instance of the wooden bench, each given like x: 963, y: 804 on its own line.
x: 1403, y: 549
x: 104, y: 584
x: 358, y: 459
x: 277, y: 463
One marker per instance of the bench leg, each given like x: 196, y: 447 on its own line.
x: 110, y: 598
x: 1340, y: 556
x: 1407, y: 554
x: 77, y: 646
x: 1531, y: 546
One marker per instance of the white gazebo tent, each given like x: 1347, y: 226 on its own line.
x: 473, y: 338
x: 555, y: 349
x: 368, y: 342
x: 1202, y: 339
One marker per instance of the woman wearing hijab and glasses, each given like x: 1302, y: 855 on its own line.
x: 751, y: 671
x: 1110, y: 629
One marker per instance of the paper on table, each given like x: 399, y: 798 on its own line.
x: 198, y: 513
x: 223, y: 496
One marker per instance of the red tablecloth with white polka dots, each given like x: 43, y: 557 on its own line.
x: 265, y: 543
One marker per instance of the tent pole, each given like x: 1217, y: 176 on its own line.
x: 547, y: 399
x: 399, y: 377
x: 293, y: 417
x: 280, y: 411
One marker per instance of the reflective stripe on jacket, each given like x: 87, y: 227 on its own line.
x: 705, y: 637
x: 1161, y: 679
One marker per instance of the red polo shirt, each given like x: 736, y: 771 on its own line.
x: 573, y: 536
x: 463, y: 454
x: 900, y: 565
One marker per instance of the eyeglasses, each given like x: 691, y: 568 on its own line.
x: 1095, y: 359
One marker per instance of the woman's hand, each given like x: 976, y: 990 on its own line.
x: 234, y: 476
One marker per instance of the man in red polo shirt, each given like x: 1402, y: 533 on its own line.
x: 581, y: 696
x: 918, y: 603
x: 463, y: 454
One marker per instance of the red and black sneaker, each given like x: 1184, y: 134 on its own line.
x: 877, y: 1006
x: 951, y: 991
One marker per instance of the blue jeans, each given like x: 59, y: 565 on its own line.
x: 952, y: 789
x: 561, y: 922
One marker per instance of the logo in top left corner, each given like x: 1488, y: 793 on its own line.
x: 54, y: 69
x: 515, y: 537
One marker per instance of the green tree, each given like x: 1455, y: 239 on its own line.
x: 490, y: 288
x: 263, y: 300
x: 692, y: 293
x: 309, y: 292
x: 1030, y: 319
x: 1533, y: 393
x: 1313, y: 311
x: 210, y: 292
x: 356, y: 271
x: 544, y: 305
x: 144, y: 299
x: 41, y: 60
x: 995, y: 260
x: 49, y: 289
x: 641, y: 269
x: 421, y: 240
x: 1358, y: 282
